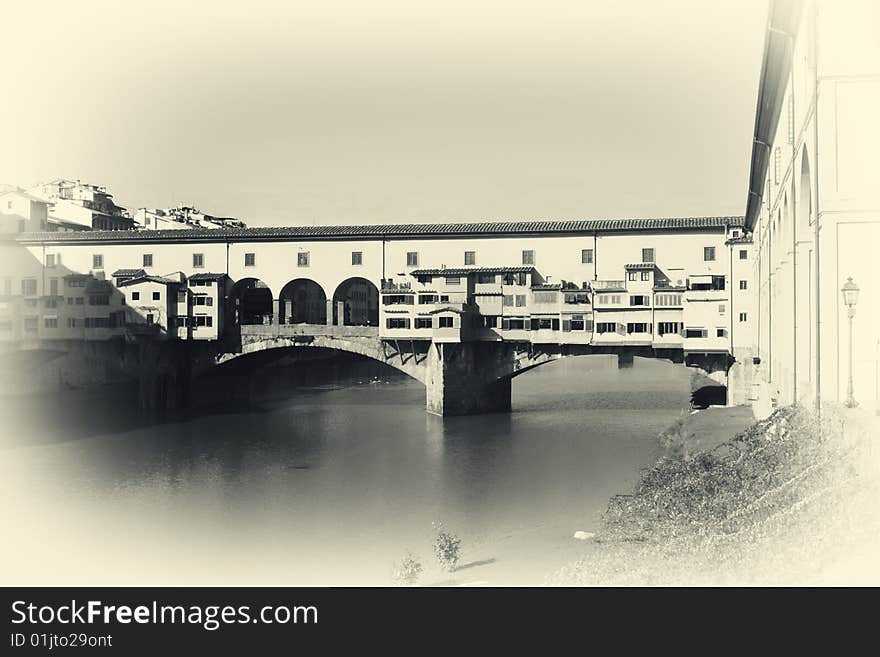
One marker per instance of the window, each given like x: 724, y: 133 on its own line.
x: 490, y: 321
x: 664, y: 328
x: 50, y: 260
x: 97, y: 261
x: 99, y: 300
x: 150, y: 318
x: 638, y: 327
x: 743, y: 254
x: 80, y: 301
x: 71, y: 322
x: 632, y: 275
x: 647, y: 255
x: 29, y: 287
x: 735, y: 234
x: 528, y: 257
x: 50, y: 322
x: 743, y: 285
x: 424, y: 322
x: 444, y: 298
x: 720, y: 333
x: 453, y: 280
x: 646, y: 276
x: 357, y: 258
x: 198, y: 260
x: 485, y: 278
x: 722, y: 308
x: 444, y: 322
x: 135, y: 296
x: 51, y: 303
x: 546, y: 297
x: 520, y: 300
x: 695, y: 333
x: 203, y: 320
x: 508, y: 300
x: 148, y: 260
x: 157, y: 296
x: 470, y: 257
x: 639, y: 300
x: 412, y: 258
x: 668, y: 300
x: 606, y: 327
x: 397, y: 322
x: 69, y: 301
x: 708, y: 253
x: 181, y: 296
x: 250, y: 259
x: 427, y: 298
x: 302, y: 259
x: 576, y: 323
x: 53, y: 287
x: 587, y: 256
x: 743, y: 317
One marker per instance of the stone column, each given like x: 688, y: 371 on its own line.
x: 468, y: 378
x: 329, y: 312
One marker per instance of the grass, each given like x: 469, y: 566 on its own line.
x: 777, y: 503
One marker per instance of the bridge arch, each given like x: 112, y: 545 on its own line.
x: 250, y: 301
x: 356, y: 303
x: 302, y: 301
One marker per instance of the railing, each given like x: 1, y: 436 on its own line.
x: 291, y: 330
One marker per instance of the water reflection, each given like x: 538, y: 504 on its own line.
x: 326, y: 475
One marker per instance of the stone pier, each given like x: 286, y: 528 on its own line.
x: 462, y: 378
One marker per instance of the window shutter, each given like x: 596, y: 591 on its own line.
x: 566, y: 325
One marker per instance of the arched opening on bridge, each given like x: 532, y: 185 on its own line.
x: 302, y: 301
x: 356, y: 303
x: 251, y: 302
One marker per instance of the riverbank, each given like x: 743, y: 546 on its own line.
x: 788, y: 500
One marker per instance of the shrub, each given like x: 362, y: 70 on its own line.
x: 674, y: 440
x: 407, y: 571
x: 447, y: 548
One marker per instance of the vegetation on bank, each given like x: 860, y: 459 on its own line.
x: 775, y: 504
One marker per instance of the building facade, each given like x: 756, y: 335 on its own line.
x: 814, y: 201
x: 654, y: 283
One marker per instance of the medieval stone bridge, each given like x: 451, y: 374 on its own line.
x: 460, y: 378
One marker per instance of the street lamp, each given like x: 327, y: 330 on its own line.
x: 850, y: 297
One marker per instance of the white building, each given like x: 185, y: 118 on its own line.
x: 21, y: 212
x: 74, y: 205
x: 181, y: 218
x: 814, y: 200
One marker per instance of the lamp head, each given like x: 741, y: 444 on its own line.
x: 850, y: 293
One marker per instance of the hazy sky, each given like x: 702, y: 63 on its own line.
x: 343, y: 112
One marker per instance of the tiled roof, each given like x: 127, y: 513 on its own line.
x: 129, y: 272
x: 389, y: 230
x: 206, y: 276
x: 641, y: 265
x: 145, y: 279
x: 461, y: 271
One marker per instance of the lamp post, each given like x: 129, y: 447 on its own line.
x: 850, y: 297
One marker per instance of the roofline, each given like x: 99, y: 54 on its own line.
x: 783, y: 17
x: 385, y: 231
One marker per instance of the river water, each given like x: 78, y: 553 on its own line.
x: 326, y: 473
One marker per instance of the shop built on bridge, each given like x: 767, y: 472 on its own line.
x: 463, y: 308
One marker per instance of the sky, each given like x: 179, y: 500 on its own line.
x: 341, y: 112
